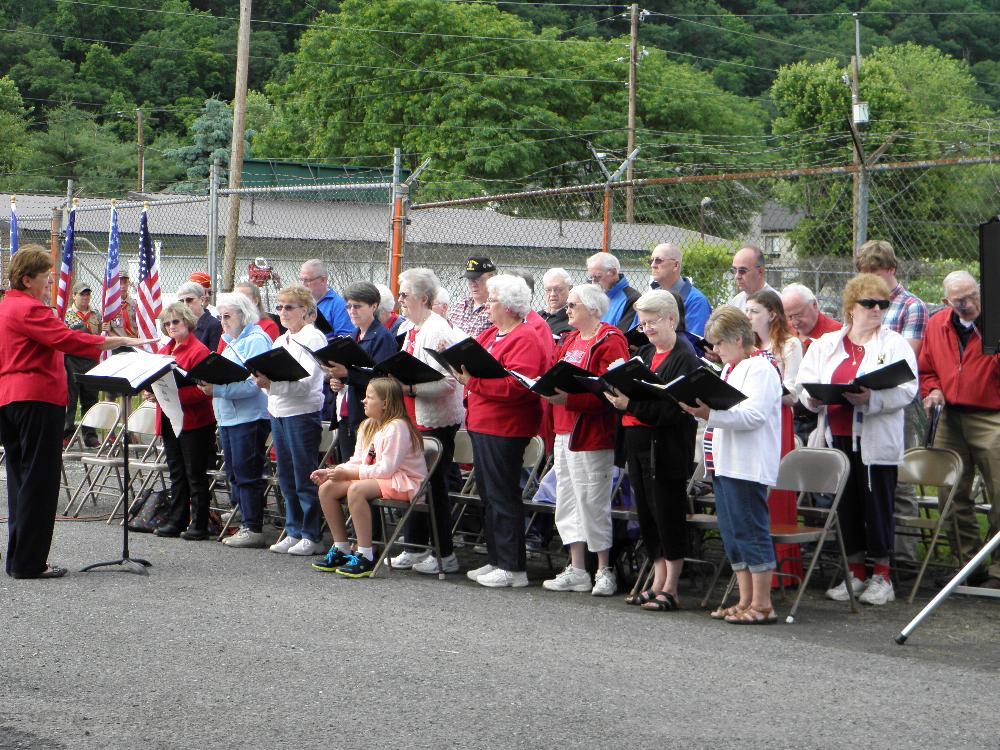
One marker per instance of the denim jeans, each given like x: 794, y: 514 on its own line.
x: 743, y: 521
x: 296, y: 446
x: 243, y: 447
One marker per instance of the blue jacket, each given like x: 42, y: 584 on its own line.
x: 240, y: 403
x: 621, y: 298
x: 696, y: 306
x: 333, y: 308
x: 379, y: 344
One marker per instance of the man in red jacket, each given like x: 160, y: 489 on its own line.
x: 955, y: 374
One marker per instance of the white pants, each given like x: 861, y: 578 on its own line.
x: 583, y: 495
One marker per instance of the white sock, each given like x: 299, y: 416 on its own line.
x: 367, y: 552
x: 344, y: 547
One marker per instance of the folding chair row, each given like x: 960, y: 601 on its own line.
x: 104, y: 417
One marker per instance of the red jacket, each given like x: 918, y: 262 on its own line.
x: 970, y: 379
x: 537, y: 323
x: 502, y: 406
x: 596, y: 420
x: 32, y: 344
x: 196, y: 405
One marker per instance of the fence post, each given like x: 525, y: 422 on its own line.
x: 861, y: 217
x: 606, y: 241
x: 213, y: 226
x: 399, y: 199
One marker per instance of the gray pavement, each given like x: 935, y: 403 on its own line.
x: 244, y: 648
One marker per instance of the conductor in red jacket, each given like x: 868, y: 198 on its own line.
x: 33, y: 396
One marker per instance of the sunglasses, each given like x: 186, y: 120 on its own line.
x: 573, y: 305
x: 173, y: 322
x: 403, y: 295
x: 356, y: 305
x: 188, y: 300
x: 279, y: 307
x: 871, y: 304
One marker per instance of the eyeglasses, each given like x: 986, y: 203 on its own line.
x: 310, y: 279
x: 226, y: 316
x: 403, y: 295
x: 658, y: 261
x: 355, y: 305
x: 188, y: 300
x: 555, y: 290
x: 492, y: 301
x: 279, y: 307
x: 741, y: 271
x: 573, y: 305
x: 173, y: 322
x: 646, y: 325
x: 871, y: 304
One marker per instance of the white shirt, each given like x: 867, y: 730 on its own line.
x: 289, y: 399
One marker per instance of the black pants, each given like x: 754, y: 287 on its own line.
x: 498, y: 477
x: 31, y: 432
x: 866, y: 507
x: 188, y: 459
x: 87, y: 395
x: 660, y: 501
x: 418, y: 529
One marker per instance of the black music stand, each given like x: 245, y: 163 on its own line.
x: 124, y: 390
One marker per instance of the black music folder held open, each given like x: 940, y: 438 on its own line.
x: 470, y: 354
x: 626, y: 378
x: 407, y: 369
x: 703, y: 385
x: 563, y: 375
x: 277, y: 365
x: 218, y: 370
x: 877, y: 380
x: 343, y: 350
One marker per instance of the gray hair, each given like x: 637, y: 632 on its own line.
x: 658, y: 302
x: 316, y: 268
x: 593, y: 298
x: 671, y: 250
x: 758, y: 255
x: 191, y: 288
x: 557, y: 273
x: 443, y: 296
x: 388, y: 302
x: 802, y: 291
x: 607, y: 260
x: 423, y: 281
x: 959, y: 277
x: 241, y: 305
x: 512, y: 292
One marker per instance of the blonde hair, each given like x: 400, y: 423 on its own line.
x: 299, y: 294
x: 728, y: 323
x: 391, y: 393
x: 861, y: 286
x: 181, y: 311
x: 876, y: 255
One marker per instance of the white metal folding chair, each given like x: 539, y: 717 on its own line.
x: 103, y: 417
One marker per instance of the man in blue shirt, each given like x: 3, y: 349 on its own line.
x: 604, y: 270
x: 665, y: 270
x: 313, y: 276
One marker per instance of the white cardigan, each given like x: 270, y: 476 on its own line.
x: 877, y: 425
x: 288, y: 399
x: 438, y: 404
x: 746, y: 440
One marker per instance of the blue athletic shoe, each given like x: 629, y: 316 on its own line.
x: 333, y: 560
x: 357, y: 566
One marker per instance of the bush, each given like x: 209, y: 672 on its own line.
x: 708, y: 266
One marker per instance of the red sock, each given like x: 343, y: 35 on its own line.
x: 881, y: 570
x: 857, y: 570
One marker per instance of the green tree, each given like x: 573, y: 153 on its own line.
x: 212, y: 136
x: 13, y: 126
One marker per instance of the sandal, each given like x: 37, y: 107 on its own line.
x: 752, y: 616
x: 668, y: 603
x: 723, y: 612
x: 641, y: 598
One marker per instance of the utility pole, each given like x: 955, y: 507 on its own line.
x: 633, y: 55
x: 236, y: 155
x: 140, y: 151
x: 858, y: 116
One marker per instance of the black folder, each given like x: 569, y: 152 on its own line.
x: 470, y: 354
x: 932, y: 425
x: 636, y: 338
x: 343, y: 350
x: 278, y: 365
x: 701, y: 384
x: 218, y: 370
x: 626, y: 378
x: 407, y: 369
x: 323, y: 324
x: 877, y: 380
x: 563, y: 375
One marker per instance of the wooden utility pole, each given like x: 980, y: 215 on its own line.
x: 140, y: 151
x: 236, y: 155
x: 860, y: 192
x: 633, y: 58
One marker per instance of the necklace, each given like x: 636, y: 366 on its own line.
x: 857, y: 352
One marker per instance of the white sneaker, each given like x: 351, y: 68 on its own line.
x: 571, y: 579
x: 878, y: 592
x: 473, y: 575
x: 839, y: 593
x: 499, y: 578
x: 245, y: 538
x: 429, y: 565
x: 605, y: 583
x: 407, y: 560
x: 284, y: 545
x: 306, y: 547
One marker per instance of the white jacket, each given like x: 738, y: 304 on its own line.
x: 746, y: 440
x: 438, y: 404
x: 877, y: 425
x: 289, y: 399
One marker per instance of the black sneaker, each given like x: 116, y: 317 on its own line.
x: 193, y: 534
x: 333, y: 560
x: 357, y: 566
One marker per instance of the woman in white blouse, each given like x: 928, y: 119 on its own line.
x: 295, y: 407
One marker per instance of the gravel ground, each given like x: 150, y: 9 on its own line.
x: 243, y: 648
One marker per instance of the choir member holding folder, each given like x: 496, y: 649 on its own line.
x: 868, y: 428
x: 584, y: 445
x: 435, y: 408
x: 659, y: 443
x: 746, y: 444
x: 502, y: 417
x: 294, y: 406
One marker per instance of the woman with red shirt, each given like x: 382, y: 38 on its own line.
x: 33, y: 397
x: 189, y: 453
x: 584, y: 445
x: 659, y: 442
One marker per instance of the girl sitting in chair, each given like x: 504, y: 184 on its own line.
x: 388, y: 463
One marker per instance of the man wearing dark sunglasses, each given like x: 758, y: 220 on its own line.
x: 750, y: 275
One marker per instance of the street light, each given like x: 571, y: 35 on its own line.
x: 701, y: 215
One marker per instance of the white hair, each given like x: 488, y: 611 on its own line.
x: 241, y: 305
x: 557, y: 273
x: 316, y: 267
x: 388, y: 301
x: 192, y: 288
x: 803, y: 292
x: 659, y: 302
x: 593, y: 298
x: 423, y: 281
x: 959, y: 277
x: 607, y: 260
x: 443, y: 296
x: 512, y: 292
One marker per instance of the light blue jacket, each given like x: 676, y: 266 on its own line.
x: 239, y: 403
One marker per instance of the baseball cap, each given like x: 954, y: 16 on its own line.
x: 81, y: 286
x: 477, y: 265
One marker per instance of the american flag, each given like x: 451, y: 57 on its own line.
x: 111, y: 297
x: 66, y: 269
x: 150, y: 303
x: 13, y: 225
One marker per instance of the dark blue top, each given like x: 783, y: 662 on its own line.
x: 378, y: 344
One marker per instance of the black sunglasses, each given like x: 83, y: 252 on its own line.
x: 871, y: 304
